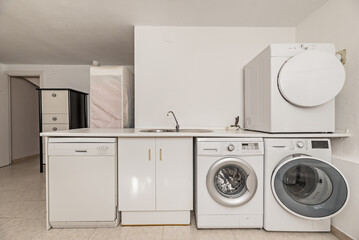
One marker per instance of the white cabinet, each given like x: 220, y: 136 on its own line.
x: 155, y: 180
x: 137, y: 174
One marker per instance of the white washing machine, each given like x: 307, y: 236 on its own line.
x: 292, y: 87
x: 302, y: 190
x: 229, y: 183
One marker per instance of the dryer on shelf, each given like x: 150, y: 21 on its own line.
x: 302, y: 190
x: 292, y: 87
x: 229, y: 183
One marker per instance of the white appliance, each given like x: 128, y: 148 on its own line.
x: 229, y: 183
x: 111, y: 97
x: 302, y: 190
x: 82, y: 182
x: 292, y: 87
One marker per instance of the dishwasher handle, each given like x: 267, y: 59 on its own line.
x: 80, y: 151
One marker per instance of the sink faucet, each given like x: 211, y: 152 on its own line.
x: 173, y: 114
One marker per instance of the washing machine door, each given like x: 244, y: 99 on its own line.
x: 231, y: 182
x: 311, y: 78
x: 309, y: 187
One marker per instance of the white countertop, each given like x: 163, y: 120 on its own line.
x: 135, y: 132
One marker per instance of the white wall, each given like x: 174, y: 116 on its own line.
x: 337, y: 22
x: 24, y: 118
x: 195, y: 71
x: 59, y: 76
x: 4, y: 120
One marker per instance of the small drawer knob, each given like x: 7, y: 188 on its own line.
x: 54, y: 94
x: 54, y: 118
x: 54, y: 128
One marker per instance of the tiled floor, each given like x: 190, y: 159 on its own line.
x: 22, y: 216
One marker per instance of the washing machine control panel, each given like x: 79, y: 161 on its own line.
x: 299, y: 144
x: 231, y: 148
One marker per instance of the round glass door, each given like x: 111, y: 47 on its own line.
x: 231, y: 182
x: 309, y: 187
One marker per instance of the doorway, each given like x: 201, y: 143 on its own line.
x: 24, y: 118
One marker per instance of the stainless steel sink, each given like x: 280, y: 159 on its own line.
x: 157, y: 130
x: 196, y: 130
x: 174, y: 130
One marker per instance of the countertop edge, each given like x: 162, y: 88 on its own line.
x: 98, y: 132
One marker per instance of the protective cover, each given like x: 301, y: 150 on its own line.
x: 111, y: 97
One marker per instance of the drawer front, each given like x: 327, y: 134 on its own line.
x: 54, y: 127
x: 54, y: 101
x: 55, y: 118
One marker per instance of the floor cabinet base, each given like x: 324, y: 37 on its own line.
x: 156, y: 218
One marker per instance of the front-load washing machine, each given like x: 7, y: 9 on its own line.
x: 302, y: 190
x: 292, y: 87
x: 229, y: 182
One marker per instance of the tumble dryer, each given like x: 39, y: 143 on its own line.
x: 292, y: 87
x: 302, y: 190
x: 229, y: 183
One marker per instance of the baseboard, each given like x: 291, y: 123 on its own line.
x: 25, y: 158
x: 339, y: 234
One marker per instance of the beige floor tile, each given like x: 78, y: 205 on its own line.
x: 74, y: 234
x: 4, y: 220
x: 312, y: 236
x: 143, y: 233
x: 31, y: 209
x: 253, y: 234
x: 25, y: 228
x: 107, y: 234
x: 215, y: 234
x: 178, y: 232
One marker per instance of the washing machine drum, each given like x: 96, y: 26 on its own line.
x: 309, y: 187
x: 231, y: 182
x: 311, y: 78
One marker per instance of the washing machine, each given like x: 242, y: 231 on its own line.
x: 229, y: 182
x: 302, y: 189
x: 292, y: 88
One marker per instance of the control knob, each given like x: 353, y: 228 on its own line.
x: 304, y: 46
x: 300, y: 144
x: 231, y: 147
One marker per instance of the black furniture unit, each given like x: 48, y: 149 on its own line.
x: 61, y: 109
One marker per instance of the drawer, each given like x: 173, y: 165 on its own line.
x: 55, y: 118
x: 54, y: 101
x: 54, y: 127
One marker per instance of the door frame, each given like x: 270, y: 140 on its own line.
x: 19, y: 73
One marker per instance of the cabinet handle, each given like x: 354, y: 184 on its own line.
x: 54, y: 128
x: 54, y: 94
x: 161, y: 154
x: 54, y: 118
x: 149, y: 154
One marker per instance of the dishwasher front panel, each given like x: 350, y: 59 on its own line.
x: 82, y: 187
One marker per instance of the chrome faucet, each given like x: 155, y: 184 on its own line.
x: 173, y: 114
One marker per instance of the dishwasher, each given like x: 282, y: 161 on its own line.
x: 82, y: 182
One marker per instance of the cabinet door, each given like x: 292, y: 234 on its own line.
x: 136, y: 174
x: 174, y: 174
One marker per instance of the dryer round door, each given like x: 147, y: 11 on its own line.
x: 231, y: 182
x: 309, y: 187
x: 311, y: 78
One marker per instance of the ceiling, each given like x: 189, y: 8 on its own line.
x: 79, y: 31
